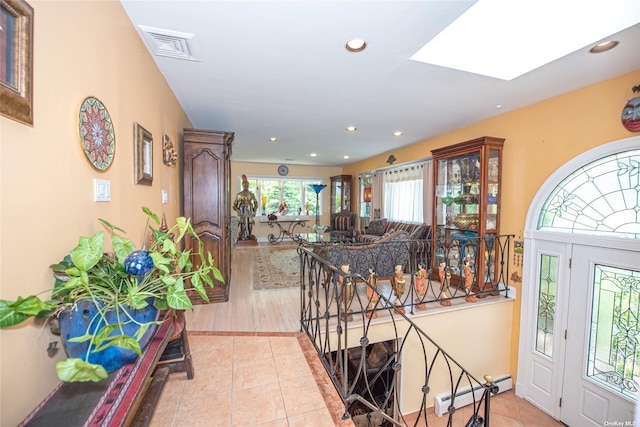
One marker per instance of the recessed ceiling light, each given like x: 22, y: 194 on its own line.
x: 352, y: 129
x: 313, y: 154
x: 397, y: 133
x: 603, y: 47
x: 356, y: 45
x: 499, y: 106
x: 273, y: 139
x: 346, y: 156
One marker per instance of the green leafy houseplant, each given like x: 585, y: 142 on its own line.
x: 127, y: 279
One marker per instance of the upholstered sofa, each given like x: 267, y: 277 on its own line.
x: 381, y: 256
x: 418, y: 233
x: 342, y: 224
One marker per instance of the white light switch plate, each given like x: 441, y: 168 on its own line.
x: 165, y: 197
x: 101, y: 190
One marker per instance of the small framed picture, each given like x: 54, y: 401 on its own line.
x: 142, y: 155
x: 16, y: 59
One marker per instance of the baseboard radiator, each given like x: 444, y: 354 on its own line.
x: 465, y: 396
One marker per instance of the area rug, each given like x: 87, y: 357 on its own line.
x: 276, y: 267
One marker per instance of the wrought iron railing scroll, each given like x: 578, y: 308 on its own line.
x: 342, y: 307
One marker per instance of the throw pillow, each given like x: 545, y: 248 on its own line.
x: 376, y: 227
x: 343, y: 223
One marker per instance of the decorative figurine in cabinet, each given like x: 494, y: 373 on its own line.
x: 340, y: 193
x: 467, y: 211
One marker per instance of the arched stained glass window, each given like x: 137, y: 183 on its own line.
x: 601, y: 198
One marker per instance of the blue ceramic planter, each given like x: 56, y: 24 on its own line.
x: 84, y: 318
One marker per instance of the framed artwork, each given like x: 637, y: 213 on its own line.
x: 97, y: 136
x: 142, y: 155
x: 169, y: 154
x: 16, y: 61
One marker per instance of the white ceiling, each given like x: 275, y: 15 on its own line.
x: 279, y: 69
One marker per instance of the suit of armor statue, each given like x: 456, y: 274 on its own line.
x: 246, y: 205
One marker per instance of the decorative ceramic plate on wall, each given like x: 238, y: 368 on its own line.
x: 97, y: 135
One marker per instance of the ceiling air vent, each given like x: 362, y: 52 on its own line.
x: 171, y: 44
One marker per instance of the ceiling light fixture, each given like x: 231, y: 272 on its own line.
x: 346, y: 156
x: 356, y: 45
x: 313, y: 154
x: 273, y: 139
x: 397, y: 133
x: 603, y: 47
x: 351, y: 129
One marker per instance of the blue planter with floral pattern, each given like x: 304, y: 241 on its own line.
x: 85, y: 318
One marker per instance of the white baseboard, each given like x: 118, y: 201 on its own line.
x: 465, y: 396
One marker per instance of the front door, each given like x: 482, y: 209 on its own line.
x: 601, y: 362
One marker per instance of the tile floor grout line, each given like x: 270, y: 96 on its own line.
x: 284, y: 404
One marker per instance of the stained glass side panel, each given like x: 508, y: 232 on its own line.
x: 547, y: 285
x: 615, y: 333
x: 601, y: 198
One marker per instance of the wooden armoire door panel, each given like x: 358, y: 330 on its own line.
x: 212, y: 244
x: 206, y: 200
x: 207, y: 209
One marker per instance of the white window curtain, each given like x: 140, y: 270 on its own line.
x: 427, y: 191
x: 405, y: 195
x: 382, y: 199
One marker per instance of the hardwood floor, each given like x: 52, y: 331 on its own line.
x: 251, y: 317
x: 248, y: 310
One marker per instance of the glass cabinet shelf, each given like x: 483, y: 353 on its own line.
x: 340, y: 193
x: 467, y: 207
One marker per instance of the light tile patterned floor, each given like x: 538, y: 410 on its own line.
x: 276, y: 379
x: 250, y: 379
x: 258, y: 378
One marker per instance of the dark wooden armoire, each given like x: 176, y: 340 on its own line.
x: 206, y: 200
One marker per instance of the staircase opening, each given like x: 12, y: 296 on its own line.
x: 371, y: 382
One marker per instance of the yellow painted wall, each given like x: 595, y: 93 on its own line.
x: 46, y: 182
x: 538, y: 140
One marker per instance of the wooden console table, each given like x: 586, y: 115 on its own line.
x: 286, y: 227
x: 127, y: 397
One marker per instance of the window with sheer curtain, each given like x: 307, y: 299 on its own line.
x: 403, y: 194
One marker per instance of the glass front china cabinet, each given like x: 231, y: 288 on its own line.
x: 340, y: 193
x: 467, y: 212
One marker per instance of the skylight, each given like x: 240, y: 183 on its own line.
x: 508, y: 38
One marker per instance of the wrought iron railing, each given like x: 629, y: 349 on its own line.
x: 342, y: 307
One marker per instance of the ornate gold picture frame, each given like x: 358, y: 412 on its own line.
x: 16, y: 72
x: 142, y: 155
